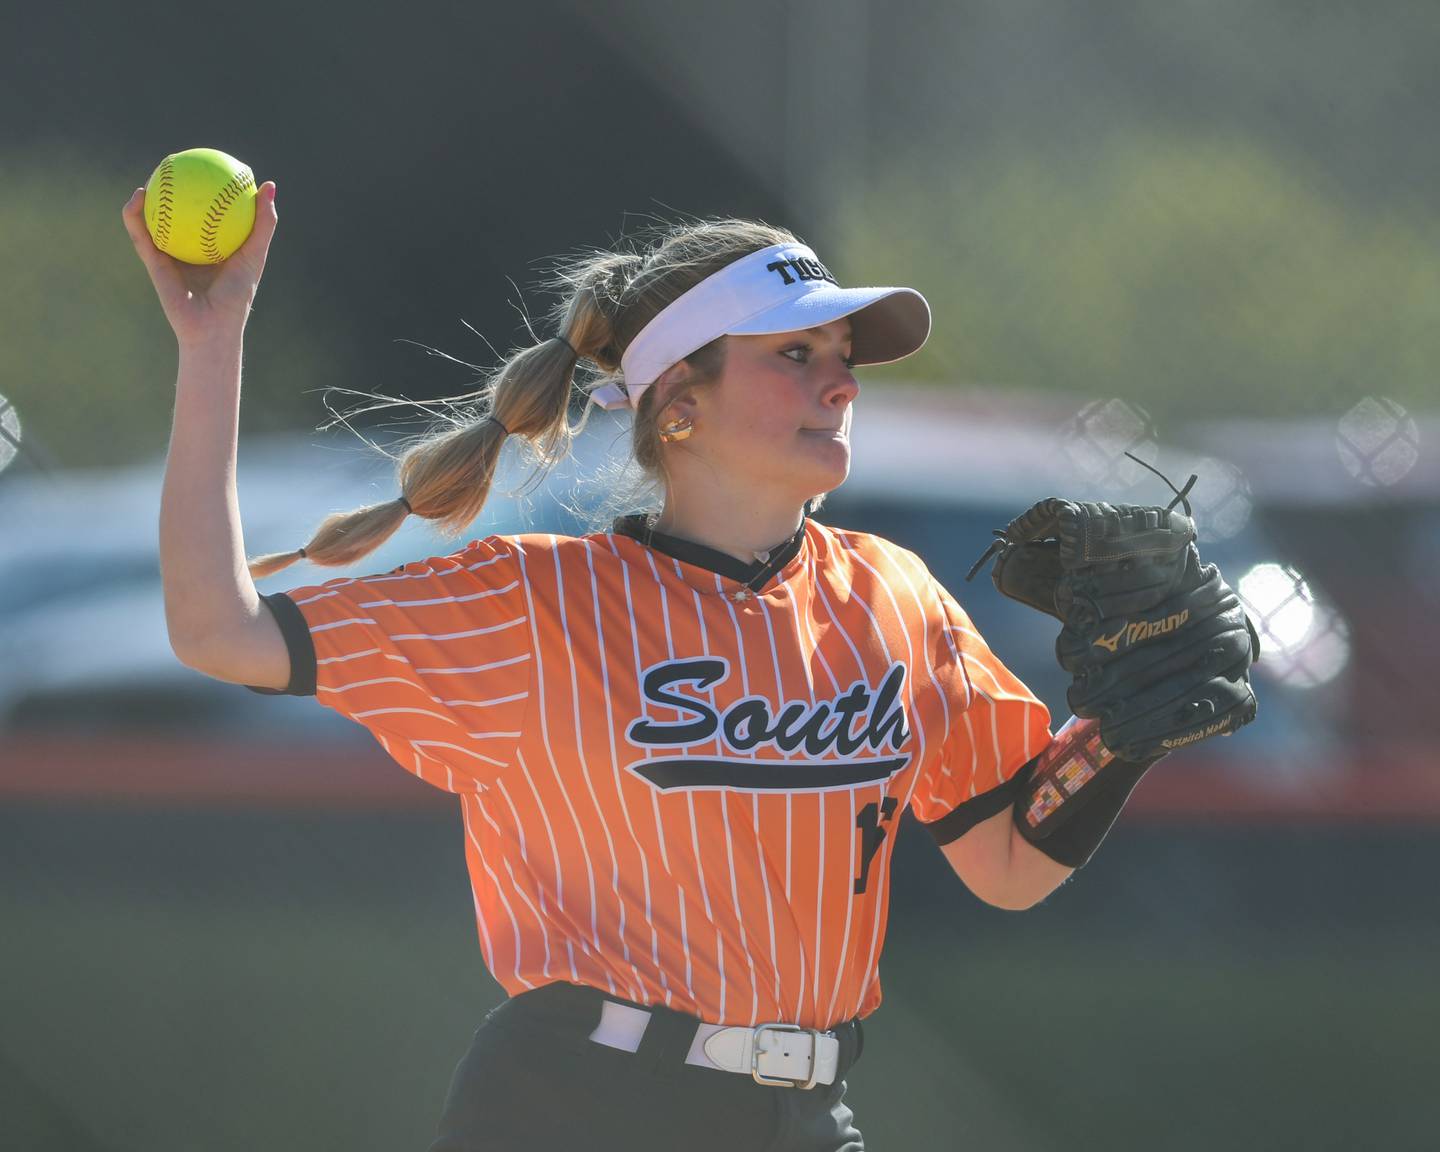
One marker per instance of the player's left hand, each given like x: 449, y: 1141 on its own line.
x: 1158, y: 645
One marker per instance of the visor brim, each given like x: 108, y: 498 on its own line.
x: 887, y: 324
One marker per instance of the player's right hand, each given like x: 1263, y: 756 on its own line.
x: 206, y: 301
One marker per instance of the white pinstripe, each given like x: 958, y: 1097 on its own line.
x: 633, y: 991
x: 554, y: 855
x: 498, y: 888
x: 881, y: 861
x: 405, y: 711
x: 426, y: 575
x: 920, y: 609
x: 729, y: 830
x: 654, y: 802
x: 476, y: 667
x: 755, y: 799
x: 440, y: 599
x: 789, y: 799
x: 604, y: 662
x: 330, y: 626
x: 809, y: 652
x: 456, y: 748
x: 485, y: 631
x: 539, y: 917
x: 690, y: 803
x: 862, y: 673
x: 806, y: 619
x: 554, y: 769
x: 348, y: 655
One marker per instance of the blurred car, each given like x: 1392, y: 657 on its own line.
x: 82, y: 615
x: 82, y: 619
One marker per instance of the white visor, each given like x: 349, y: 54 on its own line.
x: 783, y: 288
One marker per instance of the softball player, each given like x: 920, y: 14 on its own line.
x: 681, y: 747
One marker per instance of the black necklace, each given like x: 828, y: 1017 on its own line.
x: 747, y: 590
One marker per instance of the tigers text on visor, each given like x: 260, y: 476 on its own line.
x: 783, y: 288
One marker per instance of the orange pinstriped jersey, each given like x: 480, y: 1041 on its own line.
x: 667, y: 793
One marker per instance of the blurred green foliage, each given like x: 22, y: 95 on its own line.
x: 86, y: 354
x: 1182, y: 270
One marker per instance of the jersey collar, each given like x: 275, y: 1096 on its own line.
x: 640, y: 526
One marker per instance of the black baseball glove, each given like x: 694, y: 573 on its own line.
x: 1158, y: 645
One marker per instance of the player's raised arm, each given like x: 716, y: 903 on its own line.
x: 211, y: 606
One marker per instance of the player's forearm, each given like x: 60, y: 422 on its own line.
x: 1031, y: 875
x: 996, y: 864
x: 207, y: 587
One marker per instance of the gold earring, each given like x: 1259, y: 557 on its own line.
x: 676, y: 430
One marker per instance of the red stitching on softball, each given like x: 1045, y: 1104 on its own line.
x: 211, y: 226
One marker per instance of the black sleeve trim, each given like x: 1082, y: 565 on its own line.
x: 965, y: 816
x: 300, y: 643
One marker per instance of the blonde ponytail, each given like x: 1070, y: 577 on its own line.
x: 607, y: 297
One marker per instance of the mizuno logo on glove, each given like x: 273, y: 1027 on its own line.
x: 1143, y: 630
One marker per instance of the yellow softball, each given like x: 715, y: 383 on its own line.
x: 200, y: 205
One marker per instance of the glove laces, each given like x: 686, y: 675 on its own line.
x: 1180, y: 493
x: 1001, y: 539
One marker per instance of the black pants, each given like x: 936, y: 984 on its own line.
x: 534, y: 1081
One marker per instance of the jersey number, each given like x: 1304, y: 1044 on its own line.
x: 872, y: 835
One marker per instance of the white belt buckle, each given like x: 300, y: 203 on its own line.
x: 786, y: 1081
